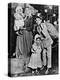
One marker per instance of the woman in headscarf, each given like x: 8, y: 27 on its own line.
x: 28, y: 32
x: 19, y: 28
x: 23, y: 28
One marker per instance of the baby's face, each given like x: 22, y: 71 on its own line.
x: 19, y: 11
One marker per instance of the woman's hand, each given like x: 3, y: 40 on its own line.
x: 17, y: 33
x: 22, y: 28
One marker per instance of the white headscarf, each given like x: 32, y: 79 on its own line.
x: 36, y: 36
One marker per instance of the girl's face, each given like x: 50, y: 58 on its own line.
x: 38, y: 21
x: 38, y: 41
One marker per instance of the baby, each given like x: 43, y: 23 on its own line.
x: 35, y: 60
x: 19, y: 19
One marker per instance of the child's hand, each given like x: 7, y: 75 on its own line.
x: 34, y: 52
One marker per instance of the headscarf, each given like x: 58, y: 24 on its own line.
x: 36, y: 36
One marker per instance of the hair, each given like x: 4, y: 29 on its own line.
x: 39, y: 17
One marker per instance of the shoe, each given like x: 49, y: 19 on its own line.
x: 27, y: 70
x: 47, y: 71
x: 33, y: 72
x: 37, y: 72
x: 43, y: 68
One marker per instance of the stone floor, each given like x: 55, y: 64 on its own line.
x: 53, y: 71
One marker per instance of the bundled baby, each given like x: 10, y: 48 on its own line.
x: 19, y: 19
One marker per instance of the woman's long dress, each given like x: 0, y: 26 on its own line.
x: 24, y: 40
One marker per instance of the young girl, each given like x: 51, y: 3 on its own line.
x: 35, y: 60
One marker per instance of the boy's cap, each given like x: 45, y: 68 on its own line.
x: 39, y: 15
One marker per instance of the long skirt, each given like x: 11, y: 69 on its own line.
x: 23, y: 44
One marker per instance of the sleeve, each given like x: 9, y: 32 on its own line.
x: 16, y: 25
x: 38, y: 29
x: 15, y: 28
x: 34, y: 48
x: 44, y: 30
x: 52, y: 30
x: 16, y: 16
x: 48, y: 39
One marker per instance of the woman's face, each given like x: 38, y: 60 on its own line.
x: 38, y: 21
x: 27, y: 12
